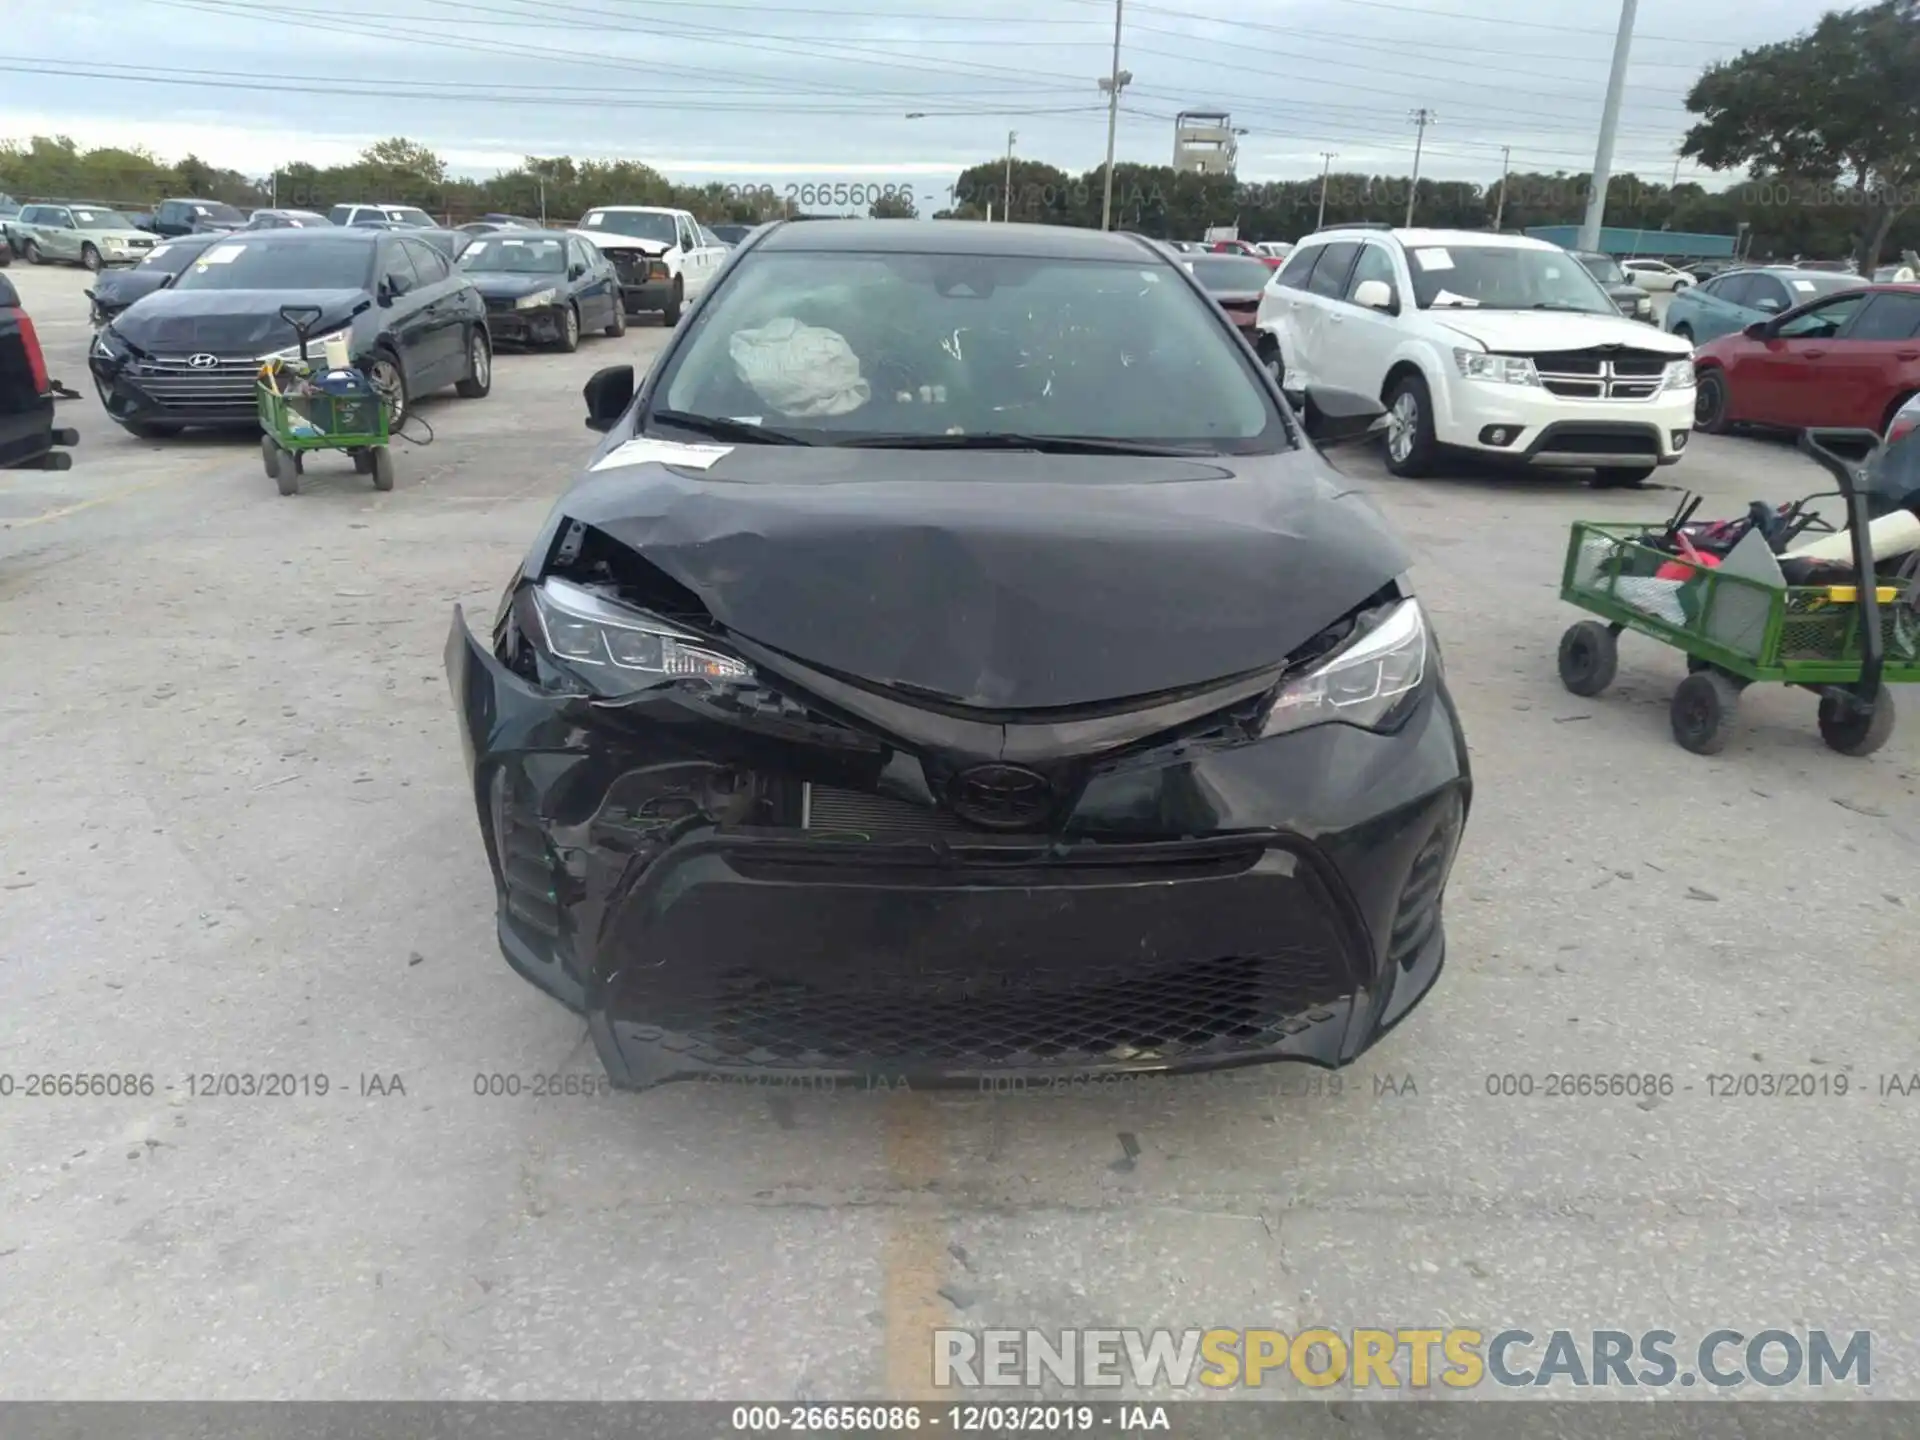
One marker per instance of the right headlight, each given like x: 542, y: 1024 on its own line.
x: 1680, y: 376
x: 536, y: 300
x: 1501, y: 369
x: 617, y: 649
x: 1368, y: 681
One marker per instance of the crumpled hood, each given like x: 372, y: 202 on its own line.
x: 123, y: 287
x: 614, y: 240
x: 1005, y: 581
x: 497, y: 285
x: 230, y: 322
x: 1532, y: 332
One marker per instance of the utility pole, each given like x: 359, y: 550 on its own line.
x: 1674, y: 183
x: 1115, y: 81
x: 1506, y: 162
x: 1609, y: 124
x: 1422, y: 118
x: 543, y: 201
x: 1326, y: 168
x: 1011, y: 137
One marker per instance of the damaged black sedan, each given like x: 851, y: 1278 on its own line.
x: 957, y: 665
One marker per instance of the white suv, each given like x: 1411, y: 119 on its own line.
x: 1497, y: 345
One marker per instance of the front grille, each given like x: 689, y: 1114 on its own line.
x: 226, y: 386
x: 529, y: 870
x: 1201, y: 1009
x: 497, y: 305
x: 828, y: 810
x: 632, y: 269
x: 1418, y: 913
x: 1628, y: 441
x: 1603, y: 374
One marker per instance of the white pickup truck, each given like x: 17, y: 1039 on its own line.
x: 665, y: 257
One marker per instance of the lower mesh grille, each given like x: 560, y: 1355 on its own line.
x: 1418, y: 914
x: 854, y: 813
x: 1214, y: 1007
x: 527, y: 869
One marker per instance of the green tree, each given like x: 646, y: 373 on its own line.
x: 893, y: 207
x: 1838, y: 106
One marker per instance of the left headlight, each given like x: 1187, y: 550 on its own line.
x: 616, y: 649
x: 535, y: 300
x: 316, y: 347
x: 1367, y: 682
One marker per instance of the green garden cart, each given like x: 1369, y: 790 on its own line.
x: 304, y: 409
x: 1845, y: 642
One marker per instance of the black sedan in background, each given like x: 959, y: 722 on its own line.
x: 959, y: 664
x: 284, y: 220
x: 1632, y: 301
x: 544, y: 287
x: 115, y: 290
x: 189, y: 354
x: 733, y: 234
x: 1236, y: 282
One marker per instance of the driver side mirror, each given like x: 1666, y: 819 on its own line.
x: 576, y: 272
x: 608, y: 394
x: 1376, y: 295
x: 1339, y: 417
x: 1759, y: 330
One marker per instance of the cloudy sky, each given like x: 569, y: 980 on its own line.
x: 773, y: 91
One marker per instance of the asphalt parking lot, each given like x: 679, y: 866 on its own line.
x: 237, y: 839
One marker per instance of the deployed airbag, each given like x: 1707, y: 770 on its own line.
x: 800, y: 370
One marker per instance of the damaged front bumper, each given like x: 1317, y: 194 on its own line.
x: 509, y: 326
x: 750, y: 889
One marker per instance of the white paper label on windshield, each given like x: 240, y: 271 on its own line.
x: 1447, y: 297
x: 1806, y: 285
x: 222, y: 255
x: 663, y: 452
x: 1433, y: 259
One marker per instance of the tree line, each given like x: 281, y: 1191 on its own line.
x: 1827, y: 123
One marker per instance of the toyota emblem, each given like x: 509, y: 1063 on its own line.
x: 203, y: 361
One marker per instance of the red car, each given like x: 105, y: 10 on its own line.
x: 1245, y: 247
x: 1851, y: 359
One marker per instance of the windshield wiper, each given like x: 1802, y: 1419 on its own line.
x: 1044, y: 444
x: 719, y: 429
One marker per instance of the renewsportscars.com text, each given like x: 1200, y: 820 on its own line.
x: 1397, y: 1358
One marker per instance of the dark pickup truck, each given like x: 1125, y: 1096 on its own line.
x: 29, y: 440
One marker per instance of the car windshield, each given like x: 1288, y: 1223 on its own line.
x: 224, y: 213
x: 1808, y: 285
x: 409, y: 215
x: 89, y: 218
x: 1605, y: 269
x: 265, y: 263
x: 515, y: 257
x: 834, y: 346
x: 1226, y: 274
x: 170, y: 259
x: 641, y: 224
x: 1504, y: 277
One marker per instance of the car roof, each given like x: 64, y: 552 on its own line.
x: 314, y: 235
x: 522, y: 232
x: 1419, y: 238
x: 956, y: 237
x: 637, y: 209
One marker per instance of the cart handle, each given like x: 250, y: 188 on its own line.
x: 1832, y: 449
x: 302, y: 318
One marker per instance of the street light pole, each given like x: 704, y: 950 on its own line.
x: 1115, y: 79
x: 1326, y: 168
x: 1506, y: 162
x: 1011, y: 137
x: 1609, y: 125
x: 1422, y: 118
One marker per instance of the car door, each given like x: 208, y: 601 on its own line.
x: 406, y: 322
x: 693, y: 264
x: 1282, y: 304
x: 1354, y: 344
x: 57, y: 238
x: 1323, y: 309
x: 595, y: 287
x: 1783, y: 378
x: 716, y: 250
x: 1869, y: 367
x: 439, y: 299
x: 1719, y: 308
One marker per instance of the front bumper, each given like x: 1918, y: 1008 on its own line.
x: 1529, y: 424
x: 1207, y: 903
x: 172, y: 392
x: 542, y: 326
x: 650, y: 297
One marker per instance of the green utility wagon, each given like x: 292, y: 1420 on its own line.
x: 303, y: 410
x: 1846, y: 643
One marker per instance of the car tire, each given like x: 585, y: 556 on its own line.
x: 150, y: 429
x: 31, y: 251
x: 387, y: 377
x: 1589, y: 658
x: 6, y: 253
x: 1848, y: 732
x: 1680, y: 285
x: 618, y: 326
x: 1703, y: 711
x: 1411, y: 448
x: 1684, y: 331
x: 479, y: 381
x: 1622, y: 477
x: 90, y: 258
x: 1710, y: 403
x: 569, y: 340
x: 671, y: 315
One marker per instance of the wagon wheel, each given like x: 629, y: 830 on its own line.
x: 1703, y: 711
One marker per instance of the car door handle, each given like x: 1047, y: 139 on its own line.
x: 1906, y: 354
x: 1813, y: 354
x: 1336, y: 318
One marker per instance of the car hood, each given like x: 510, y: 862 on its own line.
x: 613, y: 240
x: 123, y: 287
x: 1529, y: 332
x: 230, y: 322
x: 1004, y: 581
x: 121, y: 237
x: 495, y: 285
